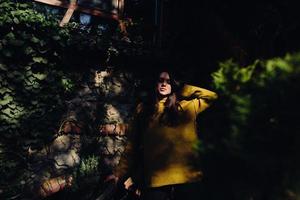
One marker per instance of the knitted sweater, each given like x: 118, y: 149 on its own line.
x: 168, y: 153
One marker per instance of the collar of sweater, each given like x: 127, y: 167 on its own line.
x: 163, y: 100
x: 161, y: 104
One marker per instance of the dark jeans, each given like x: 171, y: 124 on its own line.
x: 188, y: 191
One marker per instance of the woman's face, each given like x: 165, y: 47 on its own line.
x: 164, y: 84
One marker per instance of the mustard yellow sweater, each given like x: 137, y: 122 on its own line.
x: 169, y: 154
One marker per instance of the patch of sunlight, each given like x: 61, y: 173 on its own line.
x: 245, y: 74
x: 275, y: 64
x: 39, y: 76
x: 66, y: 160
x: 6, y: 99
x: 30, y: 81
x: 113, y: 114
x: 67, y: 83
x: 100, y: 77
x: 13, y: 112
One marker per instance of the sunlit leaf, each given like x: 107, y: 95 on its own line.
x: 40, y: 76
x: 40, y: 60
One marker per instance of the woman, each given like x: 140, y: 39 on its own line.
x: 161, y: 157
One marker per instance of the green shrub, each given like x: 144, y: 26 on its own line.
x: 258, y: 110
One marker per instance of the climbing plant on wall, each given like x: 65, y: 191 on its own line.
x: 41, y: 68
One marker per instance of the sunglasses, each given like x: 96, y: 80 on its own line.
x: 162, y: 80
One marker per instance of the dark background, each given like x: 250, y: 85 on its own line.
x: 196, y: 35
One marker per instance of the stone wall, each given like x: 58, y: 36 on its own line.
x: 95, y: 122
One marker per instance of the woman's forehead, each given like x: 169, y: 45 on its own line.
x: 164, y: 75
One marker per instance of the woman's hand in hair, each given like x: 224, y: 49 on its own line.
x: 187, y: 92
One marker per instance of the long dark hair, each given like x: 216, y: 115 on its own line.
x: 171, y: 113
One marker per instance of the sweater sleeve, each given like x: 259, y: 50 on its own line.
x: 129, y: 159
x: 203, y: 96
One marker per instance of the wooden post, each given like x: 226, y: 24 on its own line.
x: 68, y: 14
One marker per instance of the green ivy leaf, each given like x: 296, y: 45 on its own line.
x: 56, y: 37
x: 10, y: 36
x: 16, y: 20
x: 22, y: 5
x: 3, y: 67
x: 34, y: 102
x: 7, y: 99
x: 17, y: 43
x: 28, y: 50
x: 40, y: 60
x: 34, y: 40
x: 40, y: 76
x: 7, y: 52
